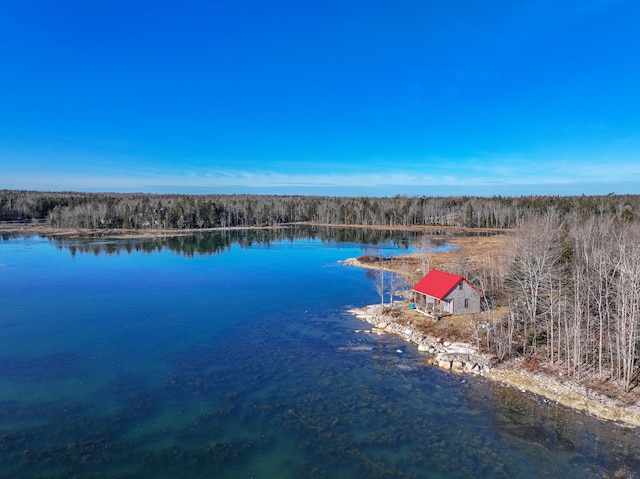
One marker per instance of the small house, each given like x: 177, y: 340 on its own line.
x: 441, y: 294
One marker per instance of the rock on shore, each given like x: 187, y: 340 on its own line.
x: 457, y: 357
x: 461, y: 357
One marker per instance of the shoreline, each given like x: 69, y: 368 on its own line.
x: 451, y: 356
x: 74, y: 233
x: 463, y: 358
x: 43, y: 229
x: 457, y: 357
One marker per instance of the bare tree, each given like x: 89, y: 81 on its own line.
x: 536, y: 256
x: 628, y: 302
x: 425, y: 248
x: 379, y: 282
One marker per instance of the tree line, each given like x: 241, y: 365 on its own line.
x: 573, y: 293
x: 139, y: 211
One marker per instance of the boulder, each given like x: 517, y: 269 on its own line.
x: 457, y: 365
x: 444, y: 364
x: 460, y: 348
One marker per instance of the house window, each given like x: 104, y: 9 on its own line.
x: 466, y: 302
x: 460, y: 285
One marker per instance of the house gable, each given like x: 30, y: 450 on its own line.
x: 438, y: 284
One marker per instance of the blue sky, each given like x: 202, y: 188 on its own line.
x: 344, y: 97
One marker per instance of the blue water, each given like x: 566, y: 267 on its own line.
x: 233, y: 355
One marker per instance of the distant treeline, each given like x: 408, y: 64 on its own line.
x: 136, y: 211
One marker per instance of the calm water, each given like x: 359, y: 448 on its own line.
x: 232, y: 355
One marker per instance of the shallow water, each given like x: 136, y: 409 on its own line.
x: 232, y: 355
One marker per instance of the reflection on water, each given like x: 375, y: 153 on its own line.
x: 266, y: 380
x: 220, y: 241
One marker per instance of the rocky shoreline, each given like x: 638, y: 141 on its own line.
x: 464, y: 358
x: 458, y: 357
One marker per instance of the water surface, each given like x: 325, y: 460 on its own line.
x: 233, y: 355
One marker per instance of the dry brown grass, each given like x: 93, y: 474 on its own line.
x: 471, y: 251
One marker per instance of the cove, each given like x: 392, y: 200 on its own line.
x: 231, y: 354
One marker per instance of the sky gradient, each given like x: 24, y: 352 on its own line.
x: 345, y: 97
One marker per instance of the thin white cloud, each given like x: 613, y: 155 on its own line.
x: 547, y: 172
x: 508, y: 173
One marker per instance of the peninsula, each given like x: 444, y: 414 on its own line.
x: 451, y: 342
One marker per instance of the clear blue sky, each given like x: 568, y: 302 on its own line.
x: 329, y: 97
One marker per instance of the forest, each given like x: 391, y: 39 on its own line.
x: 139, y: 211
x: 573, y: 294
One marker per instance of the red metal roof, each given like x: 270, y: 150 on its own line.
x: 438, y: 284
